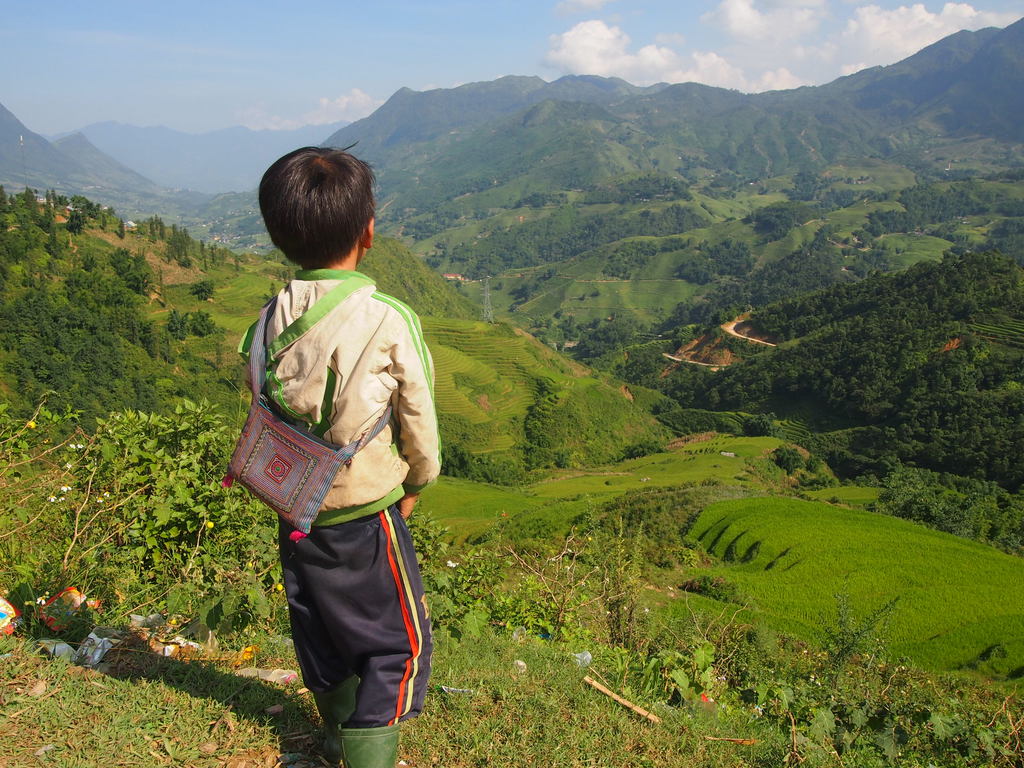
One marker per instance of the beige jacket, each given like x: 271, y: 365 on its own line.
x: 338, y: 377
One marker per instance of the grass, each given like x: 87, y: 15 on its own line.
x: 906, y: 250
x: 850, y: 495
x: 487, y: 375
x: 156, y: 712
x: 202, y: 715
x: 695, y: 462
x: 874, y: 176
x: 469, y: 508
x: 792, y: 557
x: 1009, y: 332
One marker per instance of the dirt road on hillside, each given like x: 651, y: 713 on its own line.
x: 730, y: 328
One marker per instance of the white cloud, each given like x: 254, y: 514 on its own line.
x: 569, y: 7
x: 595, y: 48
x: 770, y: 44
x: 782, y: 19
x: 876, y: 35
x: 349, y: 106
x: 780, y: 79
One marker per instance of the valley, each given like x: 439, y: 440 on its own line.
x: 731, y: 395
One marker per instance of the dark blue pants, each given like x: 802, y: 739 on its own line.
x: 357, y: 608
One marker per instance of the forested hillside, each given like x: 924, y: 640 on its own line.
x: 96, y: 318
x: 923, y: 366
x: 75, y: 296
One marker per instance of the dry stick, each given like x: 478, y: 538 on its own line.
x: 628, y: 704
x: 741, y: 742
x: 794, y: 753
x: 78, y: 518
x: 106, y: 508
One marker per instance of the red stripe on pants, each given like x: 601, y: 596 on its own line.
x: 402, y: 601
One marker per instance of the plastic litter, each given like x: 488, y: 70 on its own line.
x: 92, y: 650
x: 43, y: 750
x: 465, y: 691
x: 583, y: 658
x: 58, y: 612
x: 147, y: 622
x: 520, y: 665
x: 58, y: 649
x: 179, y: 644
x: 520, y: 633
x: 199, y: 632
x: 280, y: 676
x: 8, y: 617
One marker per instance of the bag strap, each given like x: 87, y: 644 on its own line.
x: 258, y: 351
x: 350, y: 450
x: 320, y: 309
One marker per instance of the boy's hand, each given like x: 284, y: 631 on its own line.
x: 406, y: 504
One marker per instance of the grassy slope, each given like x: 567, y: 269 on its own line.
x: 558, y: 496
x: 203, y: 716
x: 953, y: 596
x: 486, y: 374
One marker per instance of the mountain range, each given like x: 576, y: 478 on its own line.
x: 228, y: 160
x: 959, y: 101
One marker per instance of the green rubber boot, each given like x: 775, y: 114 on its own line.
x: 369, y: 747
x: 336, y: 707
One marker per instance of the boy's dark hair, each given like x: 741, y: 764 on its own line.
x: 316, y: 203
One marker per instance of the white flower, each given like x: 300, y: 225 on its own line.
x: 52, y: 499
x: 452, y: 564
x: 68, y: 465
x: 80, y: 447
x: 61, y: 498
x: 65, y: 488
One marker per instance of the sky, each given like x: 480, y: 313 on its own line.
x: 203, y: 65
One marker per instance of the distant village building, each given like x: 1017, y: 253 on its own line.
x: 453, y: 276
x: 130, y: 225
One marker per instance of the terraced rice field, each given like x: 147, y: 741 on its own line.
x: 795, y: 431
x: 1009, y: 332
x: 793, y: 557
x: 485, y: 374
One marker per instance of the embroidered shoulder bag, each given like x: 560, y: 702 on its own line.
x: 287, y: 467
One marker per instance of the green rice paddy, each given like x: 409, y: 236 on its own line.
x: 957, y: 606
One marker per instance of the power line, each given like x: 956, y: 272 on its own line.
x: 488, y: 310
x: 24, y: 165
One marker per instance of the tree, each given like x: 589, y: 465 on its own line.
x: 203, y: 290
x: 177, y: 325
x: 200, y: 323
x: 788, y: 458
x: 76, y: 222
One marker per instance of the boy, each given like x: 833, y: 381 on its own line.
x: 358, y: 615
